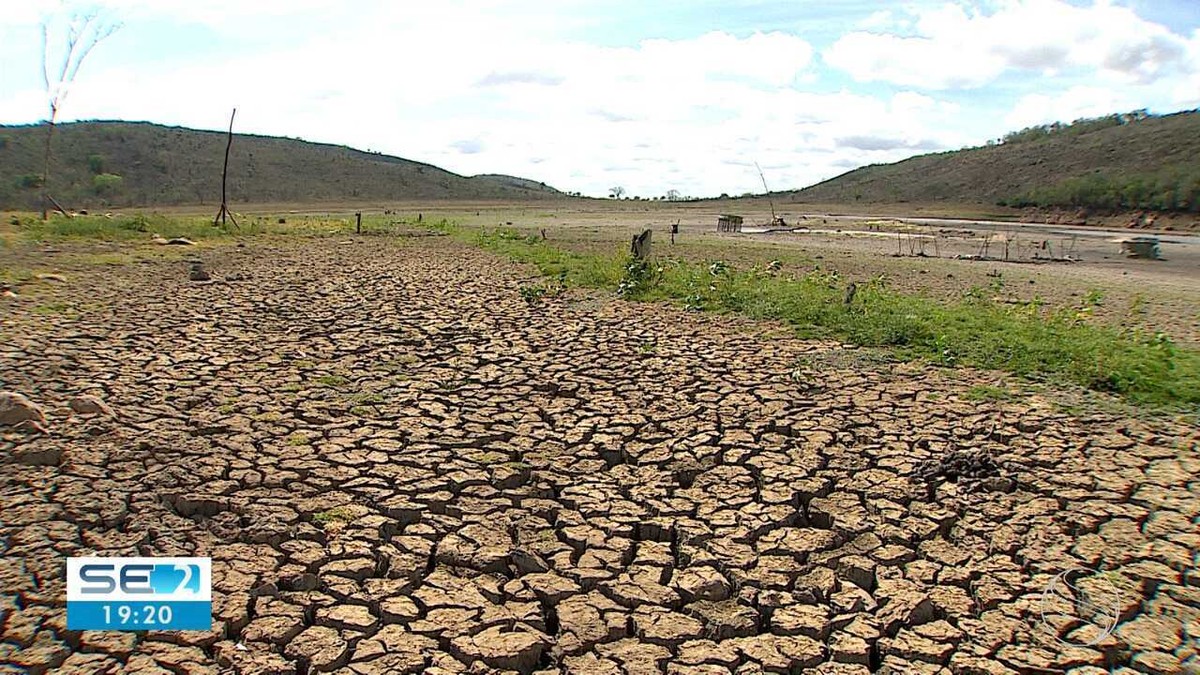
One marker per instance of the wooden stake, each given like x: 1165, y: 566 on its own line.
x: 221, y: 214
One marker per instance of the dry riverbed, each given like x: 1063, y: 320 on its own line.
x: 400, y: 466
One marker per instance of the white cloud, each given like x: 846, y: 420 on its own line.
x: 493, y: 86
x: 1072, y: 104
x: 956, y: 48
x: 485, y: 96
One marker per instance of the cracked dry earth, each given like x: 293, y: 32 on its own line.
x: 398, y: 466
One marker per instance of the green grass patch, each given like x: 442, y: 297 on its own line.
x: 367, y: 398
x: 1027, y: 340
x: 118, y: 228
x: 56, y: 308
x: 985, y: 392
x: 334, y: 515
x: 332, y: 380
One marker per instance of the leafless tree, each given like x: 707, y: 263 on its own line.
x: 672, y: 195
x: 82, y: 33
x: 616, y: 192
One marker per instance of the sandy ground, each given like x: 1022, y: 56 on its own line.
x: 399, y: 466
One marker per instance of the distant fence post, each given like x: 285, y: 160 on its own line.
x: 358, y: 222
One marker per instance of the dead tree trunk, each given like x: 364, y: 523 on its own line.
x: 224, y: 211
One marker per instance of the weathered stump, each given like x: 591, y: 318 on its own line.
x: 641, y: 245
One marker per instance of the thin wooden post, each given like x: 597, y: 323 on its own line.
x: 358, y: 222
x: 221, y: 214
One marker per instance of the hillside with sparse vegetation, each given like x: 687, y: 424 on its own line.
x: 1127, y: 162
x: 115, y: 164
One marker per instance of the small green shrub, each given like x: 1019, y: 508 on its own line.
x: 30, y: 180
x: 107, y: 184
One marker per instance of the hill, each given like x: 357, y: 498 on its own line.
x: 142, y: 164
x: 1120, y: 162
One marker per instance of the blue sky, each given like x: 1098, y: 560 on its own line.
x: 675, y: 94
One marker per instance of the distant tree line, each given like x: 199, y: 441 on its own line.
x: 1085, y: 125
x: 1178, y: 191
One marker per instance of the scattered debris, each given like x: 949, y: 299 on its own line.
x: 51, y: 277
x: 180, y: 241
x: 975, y: 470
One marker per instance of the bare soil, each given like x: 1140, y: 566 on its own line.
x: 399, y: 466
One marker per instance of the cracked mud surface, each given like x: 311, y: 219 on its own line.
x: 398, y: 466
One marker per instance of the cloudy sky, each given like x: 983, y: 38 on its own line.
x: 651, y: 96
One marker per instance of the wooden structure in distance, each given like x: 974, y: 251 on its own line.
x: 727, y: 223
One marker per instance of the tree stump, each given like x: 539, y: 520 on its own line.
x: 641, y: 245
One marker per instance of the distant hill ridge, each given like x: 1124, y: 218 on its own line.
x: 1132, y: 161
x: 112, y: 163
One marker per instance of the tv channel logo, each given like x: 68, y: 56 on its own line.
x: 139, y: 593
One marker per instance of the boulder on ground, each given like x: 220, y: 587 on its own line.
x: 16, y: 409
x: 87, y: 404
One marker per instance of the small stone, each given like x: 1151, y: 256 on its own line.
x: 87, y: 404
x: 198, y: 273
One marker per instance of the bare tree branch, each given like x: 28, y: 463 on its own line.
x: 79, y: 43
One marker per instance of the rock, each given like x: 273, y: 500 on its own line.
x: 51, y: 277
x: 519, y: 649
x: 87, y: 404
x: 198, y: 272
x: 38, y: 455
x: 15, y: 409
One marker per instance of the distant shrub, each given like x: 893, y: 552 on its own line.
x: 107, y: 183
x: 30, y: 180
x: 96, y: 164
